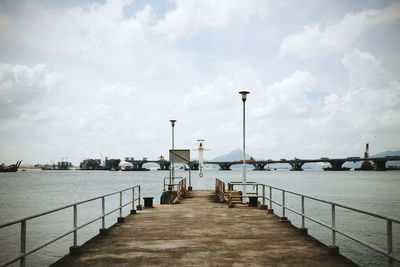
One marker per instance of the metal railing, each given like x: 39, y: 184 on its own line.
x: 219, y: 186
x: 136, y: 193
x: 267, y: 195
x: 175, y: 183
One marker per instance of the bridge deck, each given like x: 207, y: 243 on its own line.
x: 201, y: 232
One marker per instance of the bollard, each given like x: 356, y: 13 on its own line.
x: 253, y: 202
x: 148, y: 202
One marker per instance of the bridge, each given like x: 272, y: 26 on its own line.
x: 297, y: 164
x: 259, y: 165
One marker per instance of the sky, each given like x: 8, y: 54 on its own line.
x: 90, y: 79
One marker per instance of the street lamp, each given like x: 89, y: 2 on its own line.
x: 171, y: 173
x: 244, y: 98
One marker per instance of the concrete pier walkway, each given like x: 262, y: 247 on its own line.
x: 201, y: 232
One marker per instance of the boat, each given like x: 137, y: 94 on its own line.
x: 10, y: 168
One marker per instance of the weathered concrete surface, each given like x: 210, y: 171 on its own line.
x: 200, y: 232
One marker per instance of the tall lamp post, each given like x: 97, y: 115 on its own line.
x: 244, y: 98
x: 172, y: 172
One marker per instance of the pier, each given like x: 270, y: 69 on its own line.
x: 202, y: 232
x: 222, y: 227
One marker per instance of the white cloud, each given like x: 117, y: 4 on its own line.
x: 314, y: 41
x: 191, y: 16
x: 370, y: 106
x: 21, y: 85
x: 288, y: 97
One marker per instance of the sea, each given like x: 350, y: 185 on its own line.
x: 31, y: 192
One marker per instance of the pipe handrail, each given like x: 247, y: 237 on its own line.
x: 64, y: 207
x: 388, y: 252
x: 23, y: 254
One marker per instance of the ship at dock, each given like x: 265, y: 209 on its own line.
x: 97, y: 164
x: 10, y: 168
x: 60, y: 166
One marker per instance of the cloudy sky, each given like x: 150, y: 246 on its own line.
x: 86, y: 78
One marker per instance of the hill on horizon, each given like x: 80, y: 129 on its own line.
x: 233, y: 155
x: 387, y: 153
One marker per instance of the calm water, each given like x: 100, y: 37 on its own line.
x: 28, y: 193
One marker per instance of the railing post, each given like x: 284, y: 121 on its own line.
x: 103, y: 211
x: 270, y: 209
x: 389, y: 234
x: 302, y: 212
x: 120, y: 204
x: 283, y: 218
x: 133, y: 198
x: 270, y: 197
x: 283, y: 204
x: 140, y: 195
x: 23, y: 243
x: 333, y: 226
x: 263, y: 194
x: 75, y: 225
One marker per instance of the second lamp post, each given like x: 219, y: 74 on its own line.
x: 172, y: 172
x: 244, y: 98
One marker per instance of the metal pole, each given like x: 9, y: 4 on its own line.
x: 140, y: 195
x: 270, y: 198
x: 190, y: 177
x: 120, y: 204
x: 244, y: 149
x: 283, y: 203
x: 389, y: 234
x: 333, y: 226
x: 133, y: 198
x: 263, y: 193
x: 103, y: 209
x: 23, y: 243
x: 173, y: 152
x: 302, y: 212
x: 75, y: 225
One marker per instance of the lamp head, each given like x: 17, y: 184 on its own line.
x: 244, y: 95
x: 173, y: 122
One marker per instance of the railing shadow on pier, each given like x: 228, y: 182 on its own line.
x: 136, y: 195
x: 266, y: 194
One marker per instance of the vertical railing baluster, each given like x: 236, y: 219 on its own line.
x: 23, y: 243
x: 283, y: 204
x: 133, y: 198
x: 263, y: 194
x: 103, y: 212
x: 120, y: 204
x: 270, y: 198
x: 389, y: 237
x: 140, y: 196
x: 302, y: 212
x: 75, y: 225
x: 333, y: 226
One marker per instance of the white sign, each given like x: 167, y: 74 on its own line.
x: 179, y: 155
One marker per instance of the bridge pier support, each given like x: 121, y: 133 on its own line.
x: 259, y: 166
x: 194, y: 166
x: 336, y: 166
x: 225, y: 166
x: 380, y: 165
x: 296, y: 165
x: 164, y: 165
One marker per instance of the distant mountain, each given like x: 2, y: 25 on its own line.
x: 387, y: 153
x: 231, y: 156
